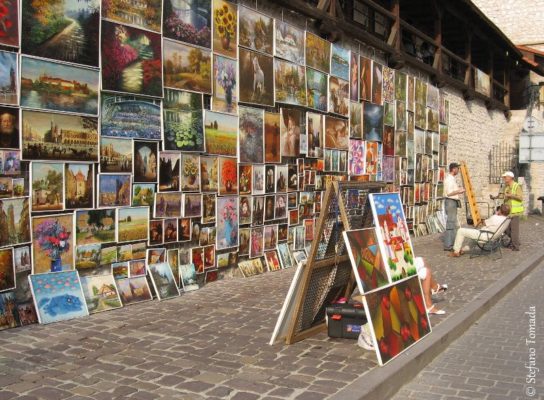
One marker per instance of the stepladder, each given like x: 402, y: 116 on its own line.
x: 469, y: 195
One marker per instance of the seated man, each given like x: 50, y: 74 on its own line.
x: 490, y: 225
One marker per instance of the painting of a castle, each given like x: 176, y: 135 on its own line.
x: 78, y: 185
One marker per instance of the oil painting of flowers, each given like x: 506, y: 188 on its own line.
x: 52, y: 243
x: 227, y: 222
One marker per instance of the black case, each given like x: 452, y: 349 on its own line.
x: 345, y: 320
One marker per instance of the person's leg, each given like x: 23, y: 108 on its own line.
x: 426, y: 286
x: 514, y: 232
x: 463, y: 233
x: 451, y: 224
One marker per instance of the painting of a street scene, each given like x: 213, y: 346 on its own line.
x: 131, y: 60
x: 48, y: 136
x: 188, y: 21
x: 47, y: 186
x: 65, y: 30
x: 115, y: 155
x: 52, y: 86
x: 100, y: 293
x: 141, y: 13
x: 133, y: 224
x: 290, y: 83
x: 9, y: 77
x: 393, y: 234
x: 95, y: 226
x: 130, y: 116
x: 187, y: 67
x: 134, y: 290
x: 114, y: 190
x: 145, y: 161
x: 78, y: 185
x: 183, y: 121
x: 14, y: 221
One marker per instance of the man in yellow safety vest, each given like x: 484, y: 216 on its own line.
x: 513, y: 196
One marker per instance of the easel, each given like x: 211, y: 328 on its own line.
x: 471, y: 199
x: 328, y: 273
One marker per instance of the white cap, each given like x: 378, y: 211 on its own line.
x: 508, y: 173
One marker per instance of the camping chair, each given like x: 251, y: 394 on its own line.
x: 489, y: 242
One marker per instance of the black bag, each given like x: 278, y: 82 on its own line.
x: 345, y: 320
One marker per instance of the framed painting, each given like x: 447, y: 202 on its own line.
x: 209, y: 172
x: 169, y: 171
x: 184, y: 229
x: 400, y: 143
x: 171, y: 232
x: 372, y: 156
x: 47, y: 186
x: 289, y: 42
x: 400, y: 86
x: 365, y: 78
x: 78, y: 185
x: 156, y: 232
x: 221, y: 133
x: 410, y: 93
x: 227, y: 222
x: 251, y: 267
x: 421, y: 93
x: 52, y: 243
x: 225, y: 28
x: 143, y: 194
x: 270, y: 203
x: 192, y: 205
x: 433, y: 95
x: 289, y: 83
x: 225, y: 85
x: 388, y: 84
x: 388, y: 141
x: 15, y: 229
x: 134, y: 290
x: 50, y: 136
x: 163, y: 280
x: 190, y: 173
x: 9, y: 24
x: 400, y: 116
x: 314, y: 130
x: 145, y: 161
x: 284, y: 255
x: 167, y: 205
x: 256, y: 72
x: 280, y: 207
x: 245, y: 210
x: 114, y: 190
x: 256, y: 242
x: 318, y: 53
x: 9, y: 128
x: 49, y: 85
x: 281, y: 178
x: 372, y: 122
x: 131, y: 60
x: 272, y: 146
x: 100, y: 293
x: 183, y: 121
x: 132, y: 224
x: 245, y: 178
x: 208, y: 208
x: 355, y: 120
x: 251, y: 135
x: 340, y: 59
x: 9, y: 78
x: 95, y: 226
x: 21, y: 258
x: 272, y: 261
x: 338, y: 96
x: 256, y: 30
x: 7, y: 270
x: 187, y: 277
x: 290, y: 129
x: 420, y: 116
x: 356, y: 163
x: 187, y: 67
x: 144, y: 14
x: 258, y: 186
x: 127, y: 116
x: 188, y: 21
x: 115, y: 155
x: 64, y: 31
x: 228, y: 174
x: 389, y: 112
x: 317, y: 90
x: 377, y: 83
x: 336, y: 133
x: 197, y: 258
x: 354, y: 77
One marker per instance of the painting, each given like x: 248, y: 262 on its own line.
x: 388, y: 169
x: 356, y: 162
x: 289, y: 42
x: 168, y: 205
x: 7, y: 270
x: 9, y: 311
x: 400, y: 116
x: 280, y: 206
x: 377, y: 83
x: 336, y: 133
x: 228, y: 176
x: 163, y: 280
x: 256, y: 30
x: 66, y: 30
x: 256, y: 72
x: 144, y: 14
x: 9, y: 24
x: 251, y: 267
x: 272, y: 261
x: 421, y: 93
x: 127, y: 116
x: 318, y: 53
x: 156, y: 229
x: 187, y: 273
x: 134, y: 290
x: 100, y: 293
x: 372, y: 122
x: 169, y: 171
x: 209, y: 174
x: 58, y: 296
x: 355, y: 120
x: 256, y: 242
x: 388, y: 84
x: 432, y: 119
x: 338, y: 96
x: 78, y: 185
x: 290, y: 129
x: 340, y: 59
x: 389, y: 112
x: 221, y: 132
x: 145, y: 161
x: 133, y: 224
x: 188, y: 21
x: 225, y: 85
x: 21, y: 258
x: 190, y: 172
x: 394, y: 239
x: 183, y: 121
x: 289, y: 82
x: 372, y: 156
x: 245, y: 178
x: 197, y: 258
x: 95, y: 226
x: 52, y: 86
x: 131, y: 60
x: 14, y: 221
x: 397, y: 317
x: 113, y: 190
x: 433, y: 96
x: 115, y: 155
x: 272, y: 146
x: 187, y: 67
x: 245, y: 210
x: 9, y: 128
x: 258, y: 186
x: 192, y: 205
x: 227, y: 222
x: 284, y: 255
x: 225, y: 28
x: 420, y: 116
x: 9, y: 77
x: 317, y: 89
x: 388, y: 141
x: 251, y: 136
x: 400, y: 86
x: 365, y: 78
x: 354, y: 77
x: 49, y: 136
x: 314, y: 130
x: 47, y: 186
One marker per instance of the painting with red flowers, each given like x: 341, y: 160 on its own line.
x: 9, y: 23
x: 398, y: 318
x: 131, y: 60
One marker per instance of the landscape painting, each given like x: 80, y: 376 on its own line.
x: 188, y: 21
x: 14, y: 221
x: 372, y: 122
x: 52, y: 243
x: 225, y: 84
x: 9, y: 24
x: 145, y: 161
x: 256, y: 30
x: 134, y: 290
x: 64, y: 30
x: 221, y: 132
x: 47, y: 186
x: 95, y: 226
x: 100, y: 293
x: 143, y: 194
x: 183, y: 121
x: 289, y: 42
x: 78, y: 185
x: 187, y: 274
x: 131, y: 60
x: 318, y: 53
x: 127, y: 116
x: 132, y: 224
x: 87, y: 257
x: 209, y: 174
x: 115, y: 155
x: 225, y: 28
x: 169, y: 171
x: 187, y: 67
x: 272, y: 147
x: 49, y: 136
x: 290, y: 83
x: 317, y: 90
x: 256, y: 72
x: 52, y: 86
x: 114, y: 190
x: 251, y: 136
x: 9, y: 77
x: 144, y: 14
x: 340, y: 59
x: 167, y: 205
x: 58, y: 296
x: 163, y: 280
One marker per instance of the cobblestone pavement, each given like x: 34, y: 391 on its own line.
x: 492, y: 360
x: 212, y: 343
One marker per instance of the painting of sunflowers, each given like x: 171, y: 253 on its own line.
x: 225, y: 28
x: 398, y: 318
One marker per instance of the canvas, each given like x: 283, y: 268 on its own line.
x: 389, y: 170
x: 169, y: 171
x: 156, y: 229
x: 228, y: 176
x: 9, y: 312
x: 192, y: 205
x: 197, y: 258
x: 365, y: 77
x: 284, y: 255
x: 256, y: 242
x: 133, y: 290
x: 245, y: 210
x: 377, y: 82
x: 127, y: 116
x: 168, y: 205
x: 372, y: 157
x: 188, y: 21
x: 289, y: 42
x: 78, y: 185
x: 317, y: 89
x: 256, y: 72
x: 225, y: 27
x: 53, y: 86
x: 400, y: 86
x: 227, y: 222
x: 339, y: 96
x: 314, y: 132
x: 9, y: 128
x: 64, y: 31
x: 209, y: 174
x: 318, y: 53
x: 336, y: 133
x: 340, y: 62
x: 432, y: 119
x: 115, y: 155
x: 354, y: 77
x: 388, y: 85
x: 95, y: 226
x: 256, y: 30
x: 251, y: 267
x: 290, y: 122
x: 251, y: 135
x: 272, y: 146
x: 397, y: 317
x: 7, y: 270
x: 15, y: 225
x: 188, y: 277
x: 272, y: 261
x: 221, y: 131
x: 356, y: 163
x: 145, y: 14
x: 183, y: 121
x: 420, y: 93
x: 187, y: 67
x: 245, y: 179
x: 47, y: 186
x: 131, y: 60
x: 133, y: 224
x: 163, y: 280
x: 100, y: 293
x: 113, y: 190
x: 225, y: 84
x: 145, y: 161
x: 388, y: 141
x: 400, y: 116
x: 21, y: 259
x: 9, y: 26
x: 400, y: 143
x: 42, y: 132
x: 372, y: 122
x: 289, y: 83
x: 9, y: 78
x: 355, y: 120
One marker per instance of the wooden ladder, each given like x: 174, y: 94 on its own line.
x: 471, y: 199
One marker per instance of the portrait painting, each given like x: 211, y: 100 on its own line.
x: 187, y: 67
x: 290, y: 83
x: 188, y: 21
x: 338, y: 96
x: 245, y: 210
x: 256, y: 72
x: 336, y: 133
x: 9, y: 128
x: 251, y: 135
x: 289, y: 42
x: 290, y: 122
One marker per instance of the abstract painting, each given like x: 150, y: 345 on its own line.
x: 225, y: 28
x: 183, y: 121
x: 251, y: 136
x: 188, y: 21
x: 163, y: 280
x: 100, y: 293
x: 256, y: 72
x: 256, y: 30
x: 290, y: 83
x: 289, y: 42
x: 187, y: 67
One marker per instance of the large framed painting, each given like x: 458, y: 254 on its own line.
x: 183, y: 121
x: 256, y: 30
x: 51, y: 136
x: 251, y: 135
x: 187, y: 67
x: 133, y: 224
x: 227, y: 222
x: 225, y: 85
x: 9, y: 77
x: 189, y: 21
x: 318, y: 53
x: 221, y: 133
x: 131, y: 60
x: 9, y: 24
x: 100, y: 293
x: 289, y: 42
x: 256, y: 78
x: 340, y: 59
x: 16, y: 229
x: 225, y: 27
x: 52, y: 243
x: 144, y: 14
x: 62, y: 30
x: 290, y: 83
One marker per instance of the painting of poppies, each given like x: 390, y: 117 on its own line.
x: 131, y: 60
x: 398, y: 318
x: 9, y: 23
x: 187, y: 67
x: 188, y: 21
x: 221, y: 131
x: 227, y: 222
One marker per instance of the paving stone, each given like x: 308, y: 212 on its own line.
x: 245, y: 396
x: 50, y: 393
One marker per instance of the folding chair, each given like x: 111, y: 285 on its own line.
x: 489, y: 242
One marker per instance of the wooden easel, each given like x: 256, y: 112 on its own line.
x: 471, y: 199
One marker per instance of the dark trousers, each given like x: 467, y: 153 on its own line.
x: 513, y: 232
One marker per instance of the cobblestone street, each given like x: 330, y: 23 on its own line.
x: 212, y: 343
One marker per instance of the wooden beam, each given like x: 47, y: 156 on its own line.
x: 437, y: 62
x: 507, y: 70
x: 395, y: 30
x: 490, y: 71
x: 468, y: 58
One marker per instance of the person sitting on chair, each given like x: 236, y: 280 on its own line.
x: 429, y: 285
x: 490, y: 225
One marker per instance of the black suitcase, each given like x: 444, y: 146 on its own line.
x: 345, y: 320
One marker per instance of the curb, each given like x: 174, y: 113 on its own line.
x: 383, y: 382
